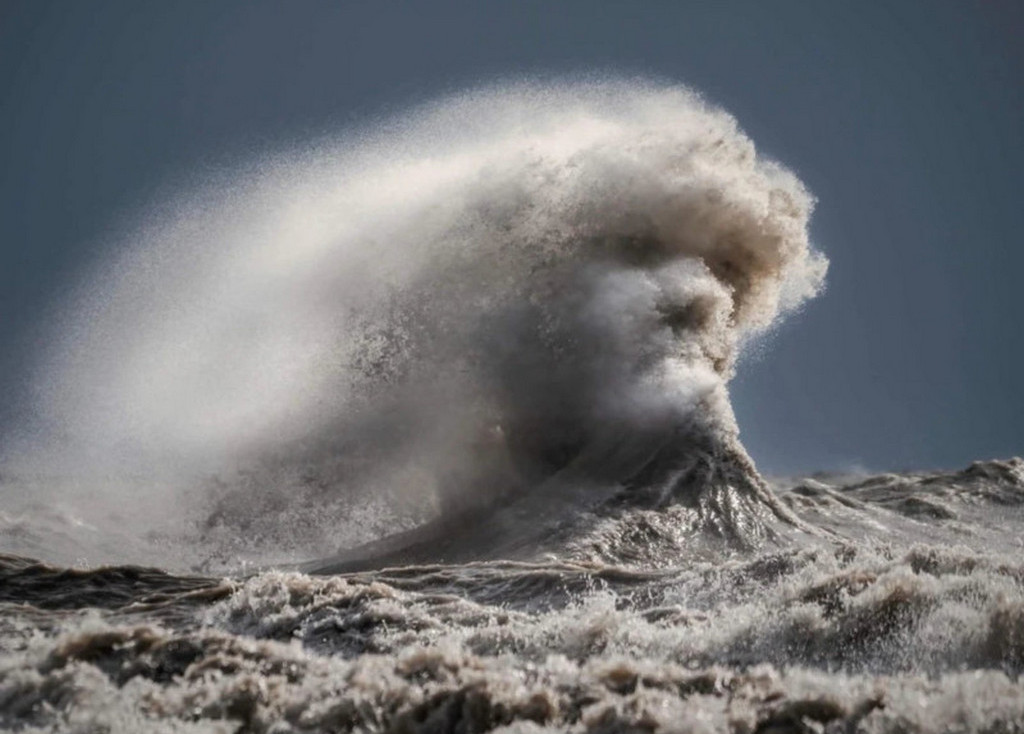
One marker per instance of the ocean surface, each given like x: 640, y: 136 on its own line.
x: 902, y: 611
x: 427, y: 428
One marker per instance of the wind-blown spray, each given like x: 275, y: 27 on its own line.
x: 508, y: 291
x: 501, y: 331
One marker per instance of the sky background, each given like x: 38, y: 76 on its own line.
x: 903, y: 118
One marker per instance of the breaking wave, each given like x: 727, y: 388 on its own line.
x: 475, y: 365
x: 530, y: 297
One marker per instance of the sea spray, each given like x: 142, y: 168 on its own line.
x: 505, y: 293
x: 493, y: 340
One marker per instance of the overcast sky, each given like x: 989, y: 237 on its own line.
x: 903, y: 118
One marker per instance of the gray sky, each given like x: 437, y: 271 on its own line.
x: 903, y: 118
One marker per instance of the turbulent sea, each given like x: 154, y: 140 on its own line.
x: 427, y: 428
x: 907, y: 616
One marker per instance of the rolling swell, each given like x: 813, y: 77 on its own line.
x: 521, y: 302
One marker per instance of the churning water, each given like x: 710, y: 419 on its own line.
x: 428, y: 430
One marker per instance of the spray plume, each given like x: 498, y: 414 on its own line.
x: 511, y: 285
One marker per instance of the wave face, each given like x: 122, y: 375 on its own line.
x: 503, y: 294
